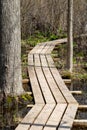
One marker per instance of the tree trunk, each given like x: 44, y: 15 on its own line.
x: 70, y: 36
x: 10, y: 47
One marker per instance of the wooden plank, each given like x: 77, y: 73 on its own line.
x: 43, y: 117
x: 40, y: 49
x: 30, y: 60
x: 58, y: 41
x: 43, y: 61
x: 37, y: 60
x: 45, y: 49
x: 76, y: 92
x: 51, y: 82
x: 54, y: 42
x: 25, y: 81
x: 50, y: 61
x: 53, y: 86
x: 44, y: 86
x: 30, y: 105
x: 55, y: 117
x: 35, y: 86
x: 68, y: 96
x: 50, y: 49
x: 63, y: 40
x: 34, y: 49
x: 82, y: 107
x: 30, y: 117
x: 67, y: 81
x: 80, y: 122
x: 68, y: 118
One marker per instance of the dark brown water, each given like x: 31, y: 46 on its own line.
x: 10, y: 116
x: 82, y: 100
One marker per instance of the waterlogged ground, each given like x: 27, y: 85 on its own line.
x: 82, y: 100
x: 13, y: 112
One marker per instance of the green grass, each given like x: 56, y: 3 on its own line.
x: 31, y: 41
x: 39, y: 37
x: 79, y: 76
x: 35, y: 39
x: 66, y: 74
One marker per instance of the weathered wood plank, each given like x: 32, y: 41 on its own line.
x: 45, y: 49
x: 43, y: 61
x: 30, y: 60
x: 82, y: 107
x: 50, y: 49
x: 25, y: 81
x: 68, y: 118
x: 30, y: 117
x: 30, y: 105
x: 55, y: 42
x: 58, y: 41
x: 40, y: 49
x: 66, y: 81
x: 55, y: 117
x: 37, y: 60
x: 64, y: 90
x: 53, y: 86
x: 34, y: 49
x: 50, y: 61
x: 64, y: 40
x: 51, y: 82
x: 43, y: 117
x: 44, y: 86
x: 54, y: 104
x: 35, y: 86
x: 76, y: 92
x: 82, y: 123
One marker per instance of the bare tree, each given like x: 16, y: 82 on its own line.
x: 70, y: 36
x: 10, y: 47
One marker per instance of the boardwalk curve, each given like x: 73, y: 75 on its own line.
x: 55, y: 107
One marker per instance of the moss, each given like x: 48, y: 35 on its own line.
x: 79, y: 76
x: 66, y: 75
x: 13, y: 108
x: 11, y: 102
x: 26, y: 97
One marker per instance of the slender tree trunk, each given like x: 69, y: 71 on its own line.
x: 70, y: 36
x: 10, y: 47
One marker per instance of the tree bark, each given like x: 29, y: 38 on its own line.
x: 10, y: 47
x: 70, y: 36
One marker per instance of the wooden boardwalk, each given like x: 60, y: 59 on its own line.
x: 55, y: 107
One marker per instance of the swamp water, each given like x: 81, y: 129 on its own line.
x: 14, y: 109
x: 82, y: 100
x: 13, y: 112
